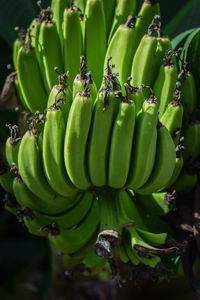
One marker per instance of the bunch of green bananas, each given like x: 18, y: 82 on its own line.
x: 100, y: 144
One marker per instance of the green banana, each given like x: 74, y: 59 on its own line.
x: 109, y: 9
x: 19, y: 94
x: 28, y: 72
x: 173, y: 116
x: 12, y: 145
x: 144, y: 60
x: 122, y: 48
x: 158, y: 204
x: 95, y: 39
x: 10, y: 204
x: 35, y: 30
x: 188, y: 89
x: 6, y: 179
x: 177, y: 170
x: 149, y: 55
x: 129, y: 252
x: 72, y: 42
x: 105, y: 110
x: 143, y: 247
x: 53, y: 153
x: 32, y: 222
x: 17, y: 44
x: 165, y: 82
x: 147, y: 11
x: 164, y: 163
x: 144, y: 141
x: 58, y: 7
x: 79, y: 80
x: 6, y: 176
x: 76, y: 137
x: 26, y: 198
x: 80, y: 4
x: 121, y: 144
x: 61, y: 95
x: 136, y: 94
x: 31, y: 171
x: 51, y: 56
x: 71, y: 240
x: 186, y: 182
x: 191, y: 142
x: 123, y: 9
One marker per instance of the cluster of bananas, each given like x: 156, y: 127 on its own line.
x: 101, y: 147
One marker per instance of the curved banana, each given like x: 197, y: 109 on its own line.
x: 105, y: 109
x: 123, y: 9
x: 71, y: 240
x: 31, y: 171
x: 17, y: 44
x: 53, y: 153
x: 72, y: 42
x: 81, y: 78
x: 186, y: 182
x: 172, y: 118
x: 121, y: 144
x: 122, y: 49
x: 191, y: 141
x: 144, y: 141
x: 148, y: 10
x: 76, y: 137
x: 12, y: 145
x: 61, y: 95
x: 177, y: 171
x: 166, y: 82
x: 6, y: 178
x: 95, y: 39
x: 158, y: 204
x: 10, y: 204
x: 188, y: 90
x: 109, y: 10
x: 30, y: 79
x: 164, y: 163
x: 51, y: 56
x: 26, y: 198
x: 58, y: 7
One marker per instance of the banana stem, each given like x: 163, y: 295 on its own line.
x: 110, y: 227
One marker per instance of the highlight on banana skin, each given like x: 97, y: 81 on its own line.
x: 110, y: 133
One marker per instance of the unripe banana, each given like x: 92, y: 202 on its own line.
x: 172, y: 118
x: 50, y: 51
x: 164, y: 163
x: 191, y: 142
x: 123, y: 9
x: 29, y: 73
x: 80, y: 4
x: 95, y: 39
x: 17, y: 44
x: 147, y: 11
x: 165, y: 82
x: 71, y: 240
x: 122, y: 49
x: 27, y: 199
x: 158, y: 204
x: 109, y: 10
x: 144, y: 141
x: 79, y: 81
x: 121, y: 144
x: 30, y: 162
x: 53, y: 153
x: 76, y: 137
x: 72, y: 42
x: 12, y: 145
x: 105, y: 109
x: 188, y: 89
x: 6, y: 177
x: 58, y: 7
x: 186, y: 182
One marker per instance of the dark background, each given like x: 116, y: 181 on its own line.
x: 24, y: 259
